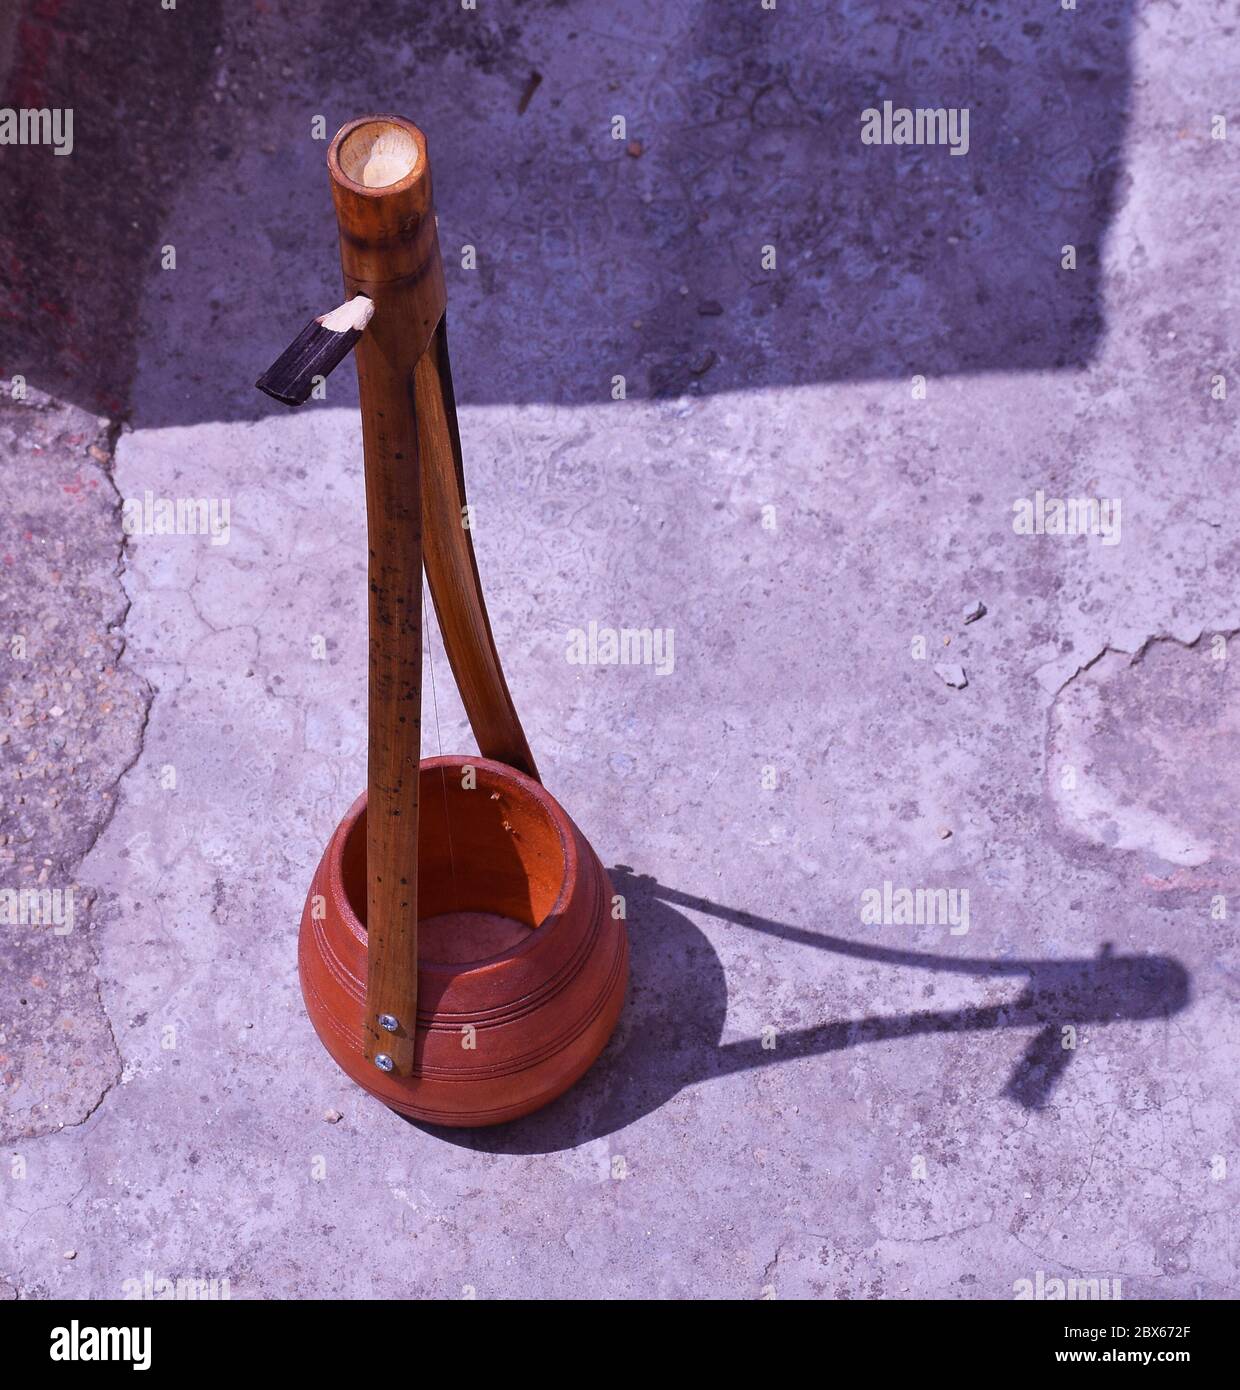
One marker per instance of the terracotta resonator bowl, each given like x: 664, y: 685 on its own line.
x: 522, y: 965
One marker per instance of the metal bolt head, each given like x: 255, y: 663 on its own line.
x: 383, y: 1061
x: 388, y: 1023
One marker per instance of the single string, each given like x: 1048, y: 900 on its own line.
x: 443, y: 772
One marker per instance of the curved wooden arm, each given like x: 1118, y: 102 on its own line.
x: 452, y: 568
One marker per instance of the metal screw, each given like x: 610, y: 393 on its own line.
x: 388, y: 1023
x: 383, y: 1061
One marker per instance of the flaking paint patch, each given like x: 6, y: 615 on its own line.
x: 1142, y: 752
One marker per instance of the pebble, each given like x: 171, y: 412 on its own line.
x: 635, y: 148
x: 944, y: 833
x: 976, y: 610
x: 70, y: 1254
x: 333, y: 1117
x: 951, y: 675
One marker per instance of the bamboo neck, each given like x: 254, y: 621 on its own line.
x: 415, y: 495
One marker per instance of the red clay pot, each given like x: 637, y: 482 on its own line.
x: 522, y: 967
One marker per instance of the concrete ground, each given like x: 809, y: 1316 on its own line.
x: 800, y: 1101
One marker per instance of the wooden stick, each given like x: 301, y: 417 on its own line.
x: 415, y: 495
x: 389, y: 252
x: 394, y: 530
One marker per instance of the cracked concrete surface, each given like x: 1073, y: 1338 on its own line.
x: 72, y: 722
x: 915, y: 1131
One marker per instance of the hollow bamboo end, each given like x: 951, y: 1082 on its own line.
x: 378, y: 156
x: 389, y: 250
x: 379, y: 153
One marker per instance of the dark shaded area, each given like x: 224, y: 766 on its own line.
x: 892, y: 260
x: 80, y: 233
x: 675, y: 1013
x: 596, y: 256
